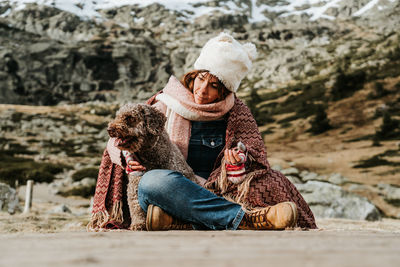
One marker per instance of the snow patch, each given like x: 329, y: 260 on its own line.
x: 368, y: 6
x: 6, y: 13
x: 85, y: 9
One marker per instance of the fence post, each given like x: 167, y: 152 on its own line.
x: 28, y: 196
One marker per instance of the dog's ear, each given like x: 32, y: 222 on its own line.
x: 130, y: 119
x: 128, y: 113
x: 154, y: 119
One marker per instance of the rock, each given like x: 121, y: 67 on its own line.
x: 87, y: 182
x: 39, y: 48
x: 307, y: 176
x: 290, y: 171
x: 8, y: 199
x: 277, y: 167
x: 61, y: 209
x: 79, y: 128
x: 219, y: 20
x: 390, y: 193
x: 58, y: 185
x: 82, y: 149
x: 383, y: 196
x: 358, y: 187
x: 337, y: 178
x: 294, y: 179
x: 331, y: 201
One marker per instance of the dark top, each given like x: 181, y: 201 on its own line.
x: 207, y: 139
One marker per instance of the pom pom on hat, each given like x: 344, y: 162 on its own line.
x: 223, y: 37
x: 251, y: 50
x: 227, y: 59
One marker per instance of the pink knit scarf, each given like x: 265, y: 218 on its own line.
x: 177, y: 103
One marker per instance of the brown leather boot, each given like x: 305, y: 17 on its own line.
x: 276, y: 217
x: 159, y: 220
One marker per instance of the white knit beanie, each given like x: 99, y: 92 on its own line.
x: 227, y: 59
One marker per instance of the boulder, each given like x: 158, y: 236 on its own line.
x: 334, y: 178
x: 291, y: 171
x: 390, y: 193
x: 219, y: 20
x: 61, y: 209
x: 337, y: 178
x: 294, y: 179
x: 331, y: 201
x: 276, y: 167
x: 8, y: 199
x: 384, y: 196
x: 307, y: 176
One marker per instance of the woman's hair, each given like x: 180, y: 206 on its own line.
x: 188, y: 81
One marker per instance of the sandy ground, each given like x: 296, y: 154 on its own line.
x: 44, y: 237
x: 330, y: 247
x: 47, y: 237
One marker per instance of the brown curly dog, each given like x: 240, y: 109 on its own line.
x: 139, y: 129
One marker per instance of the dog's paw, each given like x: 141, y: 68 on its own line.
x: 138, y: 227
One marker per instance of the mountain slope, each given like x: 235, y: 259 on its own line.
x: 257, y: 10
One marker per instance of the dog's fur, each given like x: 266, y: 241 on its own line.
x: 139, y: 129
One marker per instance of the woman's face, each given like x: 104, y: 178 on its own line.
x: 205, y: 88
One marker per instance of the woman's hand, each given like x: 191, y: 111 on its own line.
x: 136, y: 166
x: 232, y: 156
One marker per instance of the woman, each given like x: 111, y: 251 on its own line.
x: 207, y: 122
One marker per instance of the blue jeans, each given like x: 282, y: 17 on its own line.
x: 187, y: 201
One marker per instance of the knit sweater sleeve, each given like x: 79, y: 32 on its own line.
x: 237, y: 172
x: 244, y: 128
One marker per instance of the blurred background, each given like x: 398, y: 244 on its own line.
x: 325, y: 91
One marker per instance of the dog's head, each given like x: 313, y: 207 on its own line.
x: 136, y: 127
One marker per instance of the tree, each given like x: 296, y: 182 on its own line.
x: 388, y: 129
x: 347, y: 83
x: 260, y: 117
x: 320, y: 123
x: 379, y: 91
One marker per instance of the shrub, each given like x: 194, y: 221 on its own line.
x: 260, y: 117
x: 320, y: 123
x: 86, y: 172
x: 397, y: 86
x: 379, y: 91
x: 346, y: 84
x: 22, y: 169
x: 375, y: 141
x: 375, y: 161
x: 84, y: 191
x: 389, y: 128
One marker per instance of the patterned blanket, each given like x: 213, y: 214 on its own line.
x: 262, y: 186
